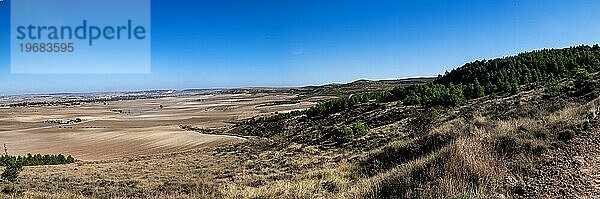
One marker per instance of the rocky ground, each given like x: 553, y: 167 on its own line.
x: 568, y: 171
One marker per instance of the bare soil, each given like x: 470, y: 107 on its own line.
x: 132, y: 128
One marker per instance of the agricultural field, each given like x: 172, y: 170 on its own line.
x: 115, y: 129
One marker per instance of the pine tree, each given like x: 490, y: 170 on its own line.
x: 515, y: 88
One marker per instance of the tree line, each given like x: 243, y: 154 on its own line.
x: 272, y: 118
x: 77, y: 101
x: 37, y: 159
x: 476, y: 79
x: 345, y: 102
x: 481, y: 78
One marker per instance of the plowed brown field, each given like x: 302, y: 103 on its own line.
x: 131, y: 128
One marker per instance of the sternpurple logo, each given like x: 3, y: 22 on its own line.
x: 80, y: 36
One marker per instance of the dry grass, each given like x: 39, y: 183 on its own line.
x: 322, y: 183
x: 459, y: 157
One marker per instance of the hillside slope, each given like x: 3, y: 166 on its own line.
x: 529, y: 132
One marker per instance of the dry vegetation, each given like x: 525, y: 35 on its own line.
x: 533, y: 144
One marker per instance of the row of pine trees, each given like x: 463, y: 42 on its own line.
x: 37, y: 159
x: 481, y: 78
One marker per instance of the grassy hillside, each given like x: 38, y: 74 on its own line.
x: 459, y: 138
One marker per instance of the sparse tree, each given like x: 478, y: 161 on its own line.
x: 12, y: 168
x: 360, y: 128
x: 345, y: 134
x: 514, y: 89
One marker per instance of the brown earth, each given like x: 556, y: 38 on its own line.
x: 571, y: 171
x: 131, y: 128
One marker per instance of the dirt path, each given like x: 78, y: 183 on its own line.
x: 572, y: 171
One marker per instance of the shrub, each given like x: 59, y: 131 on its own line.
x: 557, y: 144
x: 539, y: 149
x: 345, y: 134
x: 424, y: 121
x: 399, y: 104
x: 10, y: 190
x: 541, y: 133
x: 413, y: 99
x: 509, y: 144
x: 493, y: 96
x: 553, y: 86
x: 385, y: 96
x: 566, y: 135
x: 582, y: 75
x: 330, y: 186
x: 514, y: 88
x: 360, y: 128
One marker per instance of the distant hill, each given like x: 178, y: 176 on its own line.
x: 336, y: 89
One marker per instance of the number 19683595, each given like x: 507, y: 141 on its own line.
x: 47, y: 47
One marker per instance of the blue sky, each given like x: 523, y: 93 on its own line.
x: 225, y: 43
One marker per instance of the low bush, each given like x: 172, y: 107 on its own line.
x: 360, y: 128
x: 345, y: 134
x: 510, y: 144
x: 539, y: 148
x: 423, y: 121
x: 540, y: 133
x: 566, y: 135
